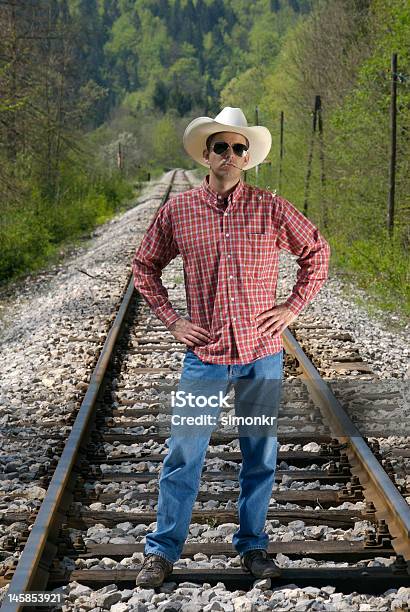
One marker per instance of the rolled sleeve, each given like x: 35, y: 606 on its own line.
x: 154, y: 253
x: 299, y: 236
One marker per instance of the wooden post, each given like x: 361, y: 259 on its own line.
x: 256, y: 167
x: 322, y: 162
x: 280, y: 151
x: 310, y: 155
x: 393, y: 147
x: 120, y: 158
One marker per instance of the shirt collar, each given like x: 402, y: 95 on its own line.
x: 213, y: 196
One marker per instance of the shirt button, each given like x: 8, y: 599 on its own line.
x: 259, y: 197
x: 227, y: 235
x: 232, y: 299
x: 231, y: 276
x: 229, y: 254
x: 233, y: 318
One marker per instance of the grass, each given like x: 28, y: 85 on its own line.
x: 393, y: 314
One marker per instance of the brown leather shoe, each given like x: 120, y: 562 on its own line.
x: 153, y: 571
x: 257, y: 562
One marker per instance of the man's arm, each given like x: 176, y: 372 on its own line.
x: 155, y: 252
x: 297, y: 235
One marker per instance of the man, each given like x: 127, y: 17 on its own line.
x: 229, y: 235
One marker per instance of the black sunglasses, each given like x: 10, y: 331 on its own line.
x: 221, y: 147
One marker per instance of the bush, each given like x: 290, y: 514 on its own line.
x: 25, y: 243
x: 30, y: 231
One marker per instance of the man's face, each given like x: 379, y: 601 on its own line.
x: 227, y: 164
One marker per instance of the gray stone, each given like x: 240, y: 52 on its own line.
x: 123, y: 540
x: 139, y: 607
x: 79, y: 590
x: 404, y: 592
x: 217, y: 606
x: 127, y: 526
x: 242, y: 604
x: 169, y: 605
x: 126, y: 594
x: 106, y: 600
x: 303, y: 604
x: 119, y: 607
x: 83, y: 603
x: 277, y: 595
x: 315, y: 532
x: 143, y: 594
x: 312, y: 591
x: 263, y: 583
x: 158, y: 597
x: 296, y: 526
x: 329, y: 590
x: 227, y: 529
x: 389, y: 592
x: 107, y: 562
x: 35, y: 493
x: 191, y: 606
x: 109, y: 588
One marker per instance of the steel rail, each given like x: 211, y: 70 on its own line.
x: 378, y: 487
x: 32, y: 571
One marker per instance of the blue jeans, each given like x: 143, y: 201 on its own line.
x: 181, y: 470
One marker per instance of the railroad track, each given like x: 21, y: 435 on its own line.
x: 102, y: 485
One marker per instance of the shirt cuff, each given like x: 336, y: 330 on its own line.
x: 167, y: 315
x: 295, y: 303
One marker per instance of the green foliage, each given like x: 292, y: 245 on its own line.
x: 32, y: 231
x: 178, y: 55
x: 25, y: 242
x: 380, y: 266
x: 165, y: 142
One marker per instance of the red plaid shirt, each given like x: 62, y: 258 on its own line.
x: 231, y: 259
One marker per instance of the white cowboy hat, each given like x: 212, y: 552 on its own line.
x: 229, y: 120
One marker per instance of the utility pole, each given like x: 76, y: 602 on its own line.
x: 393, y: 145
x: 322, y: 164
x: 256, y: 167
x: 120, y: 158
x: 280, y: 151
x: 316, y: 122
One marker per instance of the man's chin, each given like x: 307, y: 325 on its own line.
x: 228, y: 171
x: 229, y: 167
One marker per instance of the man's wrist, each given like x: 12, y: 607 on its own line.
x: 166, y: 314
x: 295, y: 304
x: 177, y: 318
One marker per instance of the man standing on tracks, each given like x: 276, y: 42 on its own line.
x: 229, y: 235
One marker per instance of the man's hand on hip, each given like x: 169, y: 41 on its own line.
x: 274, y: 321
x: 188, y: 333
